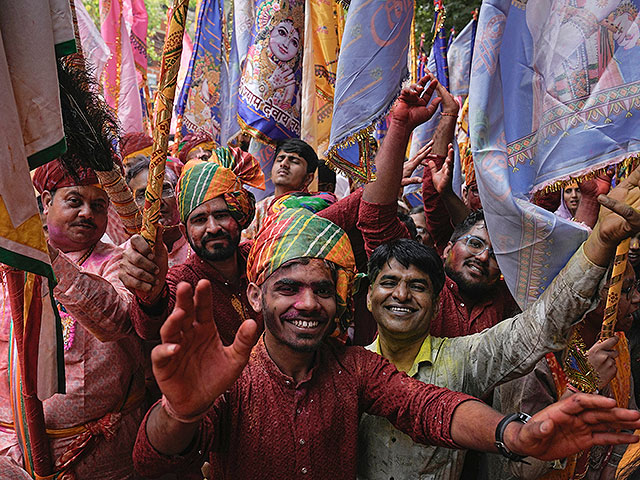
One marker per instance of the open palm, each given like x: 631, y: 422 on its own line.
x: 574, y: 424
x: 192, y: 366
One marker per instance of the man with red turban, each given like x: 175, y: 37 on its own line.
x: 91, y: 427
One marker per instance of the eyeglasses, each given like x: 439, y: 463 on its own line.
x: 476, y: 246
x: 167, y: 192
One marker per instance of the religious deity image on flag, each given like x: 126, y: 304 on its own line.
x: 198, y: 105
x: 269, y: 95
x: 554, y: 96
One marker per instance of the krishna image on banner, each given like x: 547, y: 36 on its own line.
x: 269, y: 95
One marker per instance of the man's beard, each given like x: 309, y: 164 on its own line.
x: 218, y: 254
x: 475, y: 290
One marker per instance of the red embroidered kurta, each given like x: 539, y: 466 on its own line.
x: 454, y: 319
x: 267, y: 426
x: 379, y: 223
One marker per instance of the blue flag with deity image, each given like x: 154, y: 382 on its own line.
x: 269, y: 93
x: 554, y: 95
x: 371, y: 68
x: 199, y: 102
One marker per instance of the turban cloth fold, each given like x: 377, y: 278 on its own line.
x: 298, y: 233
x: 133, y: 144
x: 193, y: 140
x: 53, y: 175
x: 314, y: 202
x: 223, y: 173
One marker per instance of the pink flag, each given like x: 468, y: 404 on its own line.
x: 120, y: 83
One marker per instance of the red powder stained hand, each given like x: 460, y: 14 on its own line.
x: 409, y: 109
x: 143, y: 270
x: 443, y: 177
x: 192, y: 366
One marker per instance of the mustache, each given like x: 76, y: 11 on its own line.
x: 293, y: 314
x: 481, y: 265
x: 83, y: 223
x: 207, y: 237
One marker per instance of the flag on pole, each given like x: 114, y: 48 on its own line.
x: 200, y: 104
x: 32, y: 135
x: 120, y: 83
x: 554, y: 95
x: 371, y: 68
x: 269, y: 95
x: 459, y: 60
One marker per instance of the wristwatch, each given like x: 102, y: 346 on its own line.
x: 502, y: 426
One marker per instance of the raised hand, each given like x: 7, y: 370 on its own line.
x: 192, y: 366
x: 602, y: 357
x: 449, y: 104
x: 619, y: 219
x: 143, y: 270
x: 571, y: 425
x: 412, y: 107
x: 442, y: 177
x: 410, y: 165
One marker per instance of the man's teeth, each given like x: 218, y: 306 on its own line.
x: 400, y: 309
x: 305, y: 323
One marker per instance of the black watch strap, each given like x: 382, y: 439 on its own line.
x: 502, y: 426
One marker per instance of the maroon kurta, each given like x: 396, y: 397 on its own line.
x: 454, y: 319
x: 266, y: 426
x: 228, y: 301
x: 379, y: 223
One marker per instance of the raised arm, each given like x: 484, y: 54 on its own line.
x: 97, y: 300
x: 410, y: 110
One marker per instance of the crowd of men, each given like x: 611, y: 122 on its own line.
x: 306, y: 336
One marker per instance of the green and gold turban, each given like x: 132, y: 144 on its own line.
x: 223, y: 173
x: 298, y: 233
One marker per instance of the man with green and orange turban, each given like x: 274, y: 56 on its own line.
x: 214, y: 208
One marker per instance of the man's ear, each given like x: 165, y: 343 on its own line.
x: 369, y: 298
x: 308, y: 178
x: 47, y: 200
x: 254, y: 295
x: 447, y: 249
x: 183, y: 229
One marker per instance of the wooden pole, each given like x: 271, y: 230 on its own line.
x: 615, y: 289
x: 162, y: 118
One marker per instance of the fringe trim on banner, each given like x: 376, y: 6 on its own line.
x: 361, y: 173
x: 257, y: 134
x: 622, y: 169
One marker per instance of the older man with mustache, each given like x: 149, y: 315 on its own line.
x: 92, y: 427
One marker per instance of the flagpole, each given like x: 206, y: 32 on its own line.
x: 34, y: 413
x: 162, y: 118
x: 615, y: 290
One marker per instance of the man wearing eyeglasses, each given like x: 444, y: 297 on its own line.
x: 177, y: 246
x: 473, y: 298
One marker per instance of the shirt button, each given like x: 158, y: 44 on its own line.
x: 304, y: 470
x: 301, y: 441
x: 299, y: 411
x: 462, y: 304
x: 288, y: 382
